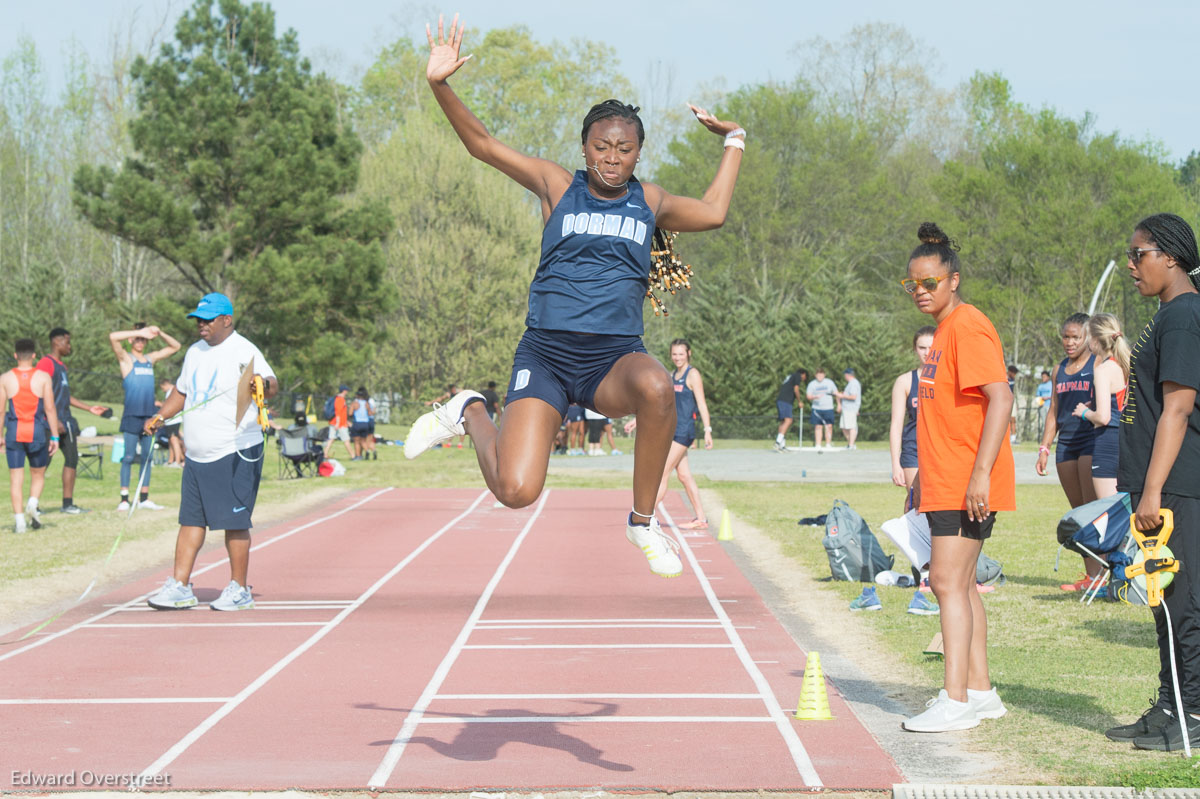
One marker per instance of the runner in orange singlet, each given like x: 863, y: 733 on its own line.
x: 27, y: 397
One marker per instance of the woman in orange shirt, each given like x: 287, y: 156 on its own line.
x: 966, y: 475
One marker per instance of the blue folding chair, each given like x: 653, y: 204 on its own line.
x: 1096, y: 530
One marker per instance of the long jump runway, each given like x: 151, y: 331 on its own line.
x: 426, y: 639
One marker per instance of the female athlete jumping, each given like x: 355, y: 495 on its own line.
x: 583, y: 338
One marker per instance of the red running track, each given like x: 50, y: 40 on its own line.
x: 425, y: 639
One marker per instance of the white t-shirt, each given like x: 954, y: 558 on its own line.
x: 853, y: 387
x: 822, y: 394
x: 209, y: 381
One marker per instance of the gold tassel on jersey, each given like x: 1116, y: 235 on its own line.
x: 667, y: 272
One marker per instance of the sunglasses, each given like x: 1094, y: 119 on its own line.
x: 930, y: 284
x: 1136, y: 253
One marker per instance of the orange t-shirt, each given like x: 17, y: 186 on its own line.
x: 965, y: 355
x: 339, y: 412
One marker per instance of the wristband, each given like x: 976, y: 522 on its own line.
x: 1044, y: 449
x: 54, y: 438
x: 708, y: 429
x: 735, y: 133
x: 736, y: 142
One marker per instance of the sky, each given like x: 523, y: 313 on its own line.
x: 1133, y: 66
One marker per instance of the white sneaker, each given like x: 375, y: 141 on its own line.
x: 124, y: 505
x: 234, y: 597
x: 443, y: 423
x: 174, y: 595
x: 149, y: 504
x: 659, y: 547
x: 18, y: 523
x: 987, y: 703
x: 33, y: 513
x: 943, y: 714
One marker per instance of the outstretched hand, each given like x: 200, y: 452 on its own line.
x: 443, y: 54
x: 711, y: 122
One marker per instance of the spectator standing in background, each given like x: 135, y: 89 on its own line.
x: 821, y: 393
x: 850, y: 401
x: 1045, y: 390
x: 789, y: 404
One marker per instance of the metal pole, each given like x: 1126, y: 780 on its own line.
x: 1103, y: 279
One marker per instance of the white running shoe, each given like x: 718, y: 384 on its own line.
x: 443, y: 423
x: 18, y: 523
x: 174, y: 595
x: 234, y: 597
x: 659, y: 547
x: 943, y: 714
x: 34, y: 513
x: 987, y: 703
x: 149, y: 504
x: 124, y: 505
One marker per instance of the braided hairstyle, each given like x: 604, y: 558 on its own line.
x: 610, y: 109
x: 937, y: 244
x: 1175, y: 238
x: 1105, y: 331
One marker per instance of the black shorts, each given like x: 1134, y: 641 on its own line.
x: 169, y: 430
x: 560, y: 368
x: 69, y: 449
x: 595, y: 428
x: 220, y: 495
x: 360, y: 430
x: 955, y: 522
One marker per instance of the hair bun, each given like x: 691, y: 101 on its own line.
x: 930, y: 233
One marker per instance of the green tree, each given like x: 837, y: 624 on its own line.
x: 240, y: 181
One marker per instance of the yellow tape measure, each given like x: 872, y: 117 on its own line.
x: 1154, y: 563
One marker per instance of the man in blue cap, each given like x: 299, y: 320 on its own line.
x: 224, y: 453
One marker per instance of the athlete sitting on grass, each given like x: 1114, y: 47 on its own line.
x: 583, y: 339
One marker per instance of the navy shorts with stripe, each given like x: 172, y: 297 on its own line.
x: 220, y: 495
x: 560, y: 368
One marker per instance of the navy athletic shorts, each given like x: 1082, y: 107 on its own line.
x: 16, y: 452
x: 1075, y: 450
x: 908, y: 455
x: 220, y: 495
x: 1105, y: 451
x: 560, y: 368
x: 784, y: 410
x: 823, y: 416
x: 575, y: 413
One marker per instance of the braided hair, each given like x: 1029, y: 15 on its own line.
x: 937, y: 244
x: 1175, y: 238
x: 610, y: 109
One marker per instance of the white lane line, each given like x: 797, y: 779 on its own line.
x: 597, y: 696
x: 181, y: 746
x: 487, y: 622
x: 162, y: 700
x: 594, y: 719
x: 138, y: 600
x: 400, y: 742
x: 800, y: 756
x: 599, y: 646
x: 158, y: 625
x: 601, y: 626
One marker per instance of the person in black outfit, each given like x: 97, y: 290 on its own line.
x: 1160, y: 458
x: 491, y: 400
x: 790, y: 404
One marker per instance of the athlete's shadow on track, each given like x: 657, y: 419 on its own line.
x: 482, y: 740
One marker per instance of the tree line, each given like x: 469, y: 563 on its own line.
x: 362, y: 244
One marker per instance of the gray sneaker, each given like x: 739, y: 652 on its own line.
x: 234, y: 597
x: 174, y: 595
x: 33, y: 513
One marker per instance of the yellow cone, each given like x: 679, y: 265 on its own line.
x: 726, y: 531
x: 814, y: 699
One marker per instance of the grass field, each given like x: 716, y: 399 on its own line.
x: 1066, y: 671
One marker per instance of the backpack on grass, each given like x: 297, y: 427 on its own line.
x: 853, y: 551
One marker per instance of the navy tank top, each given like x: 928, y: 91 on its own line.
x: 139, y: 393
x: 685, y: 406
x: 595, y: 265
x: 908, y: 437
x: 1070, y: 391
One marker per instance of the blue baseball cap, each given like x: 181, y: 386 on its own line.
x: 211, y: 306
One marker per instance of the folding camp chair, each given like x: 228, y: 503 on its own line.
x: 1096, y: 530
x: 298, y: 457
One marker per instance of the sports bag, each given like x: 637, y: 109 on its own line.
x: 330, y: 408
x: 853, y: 551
